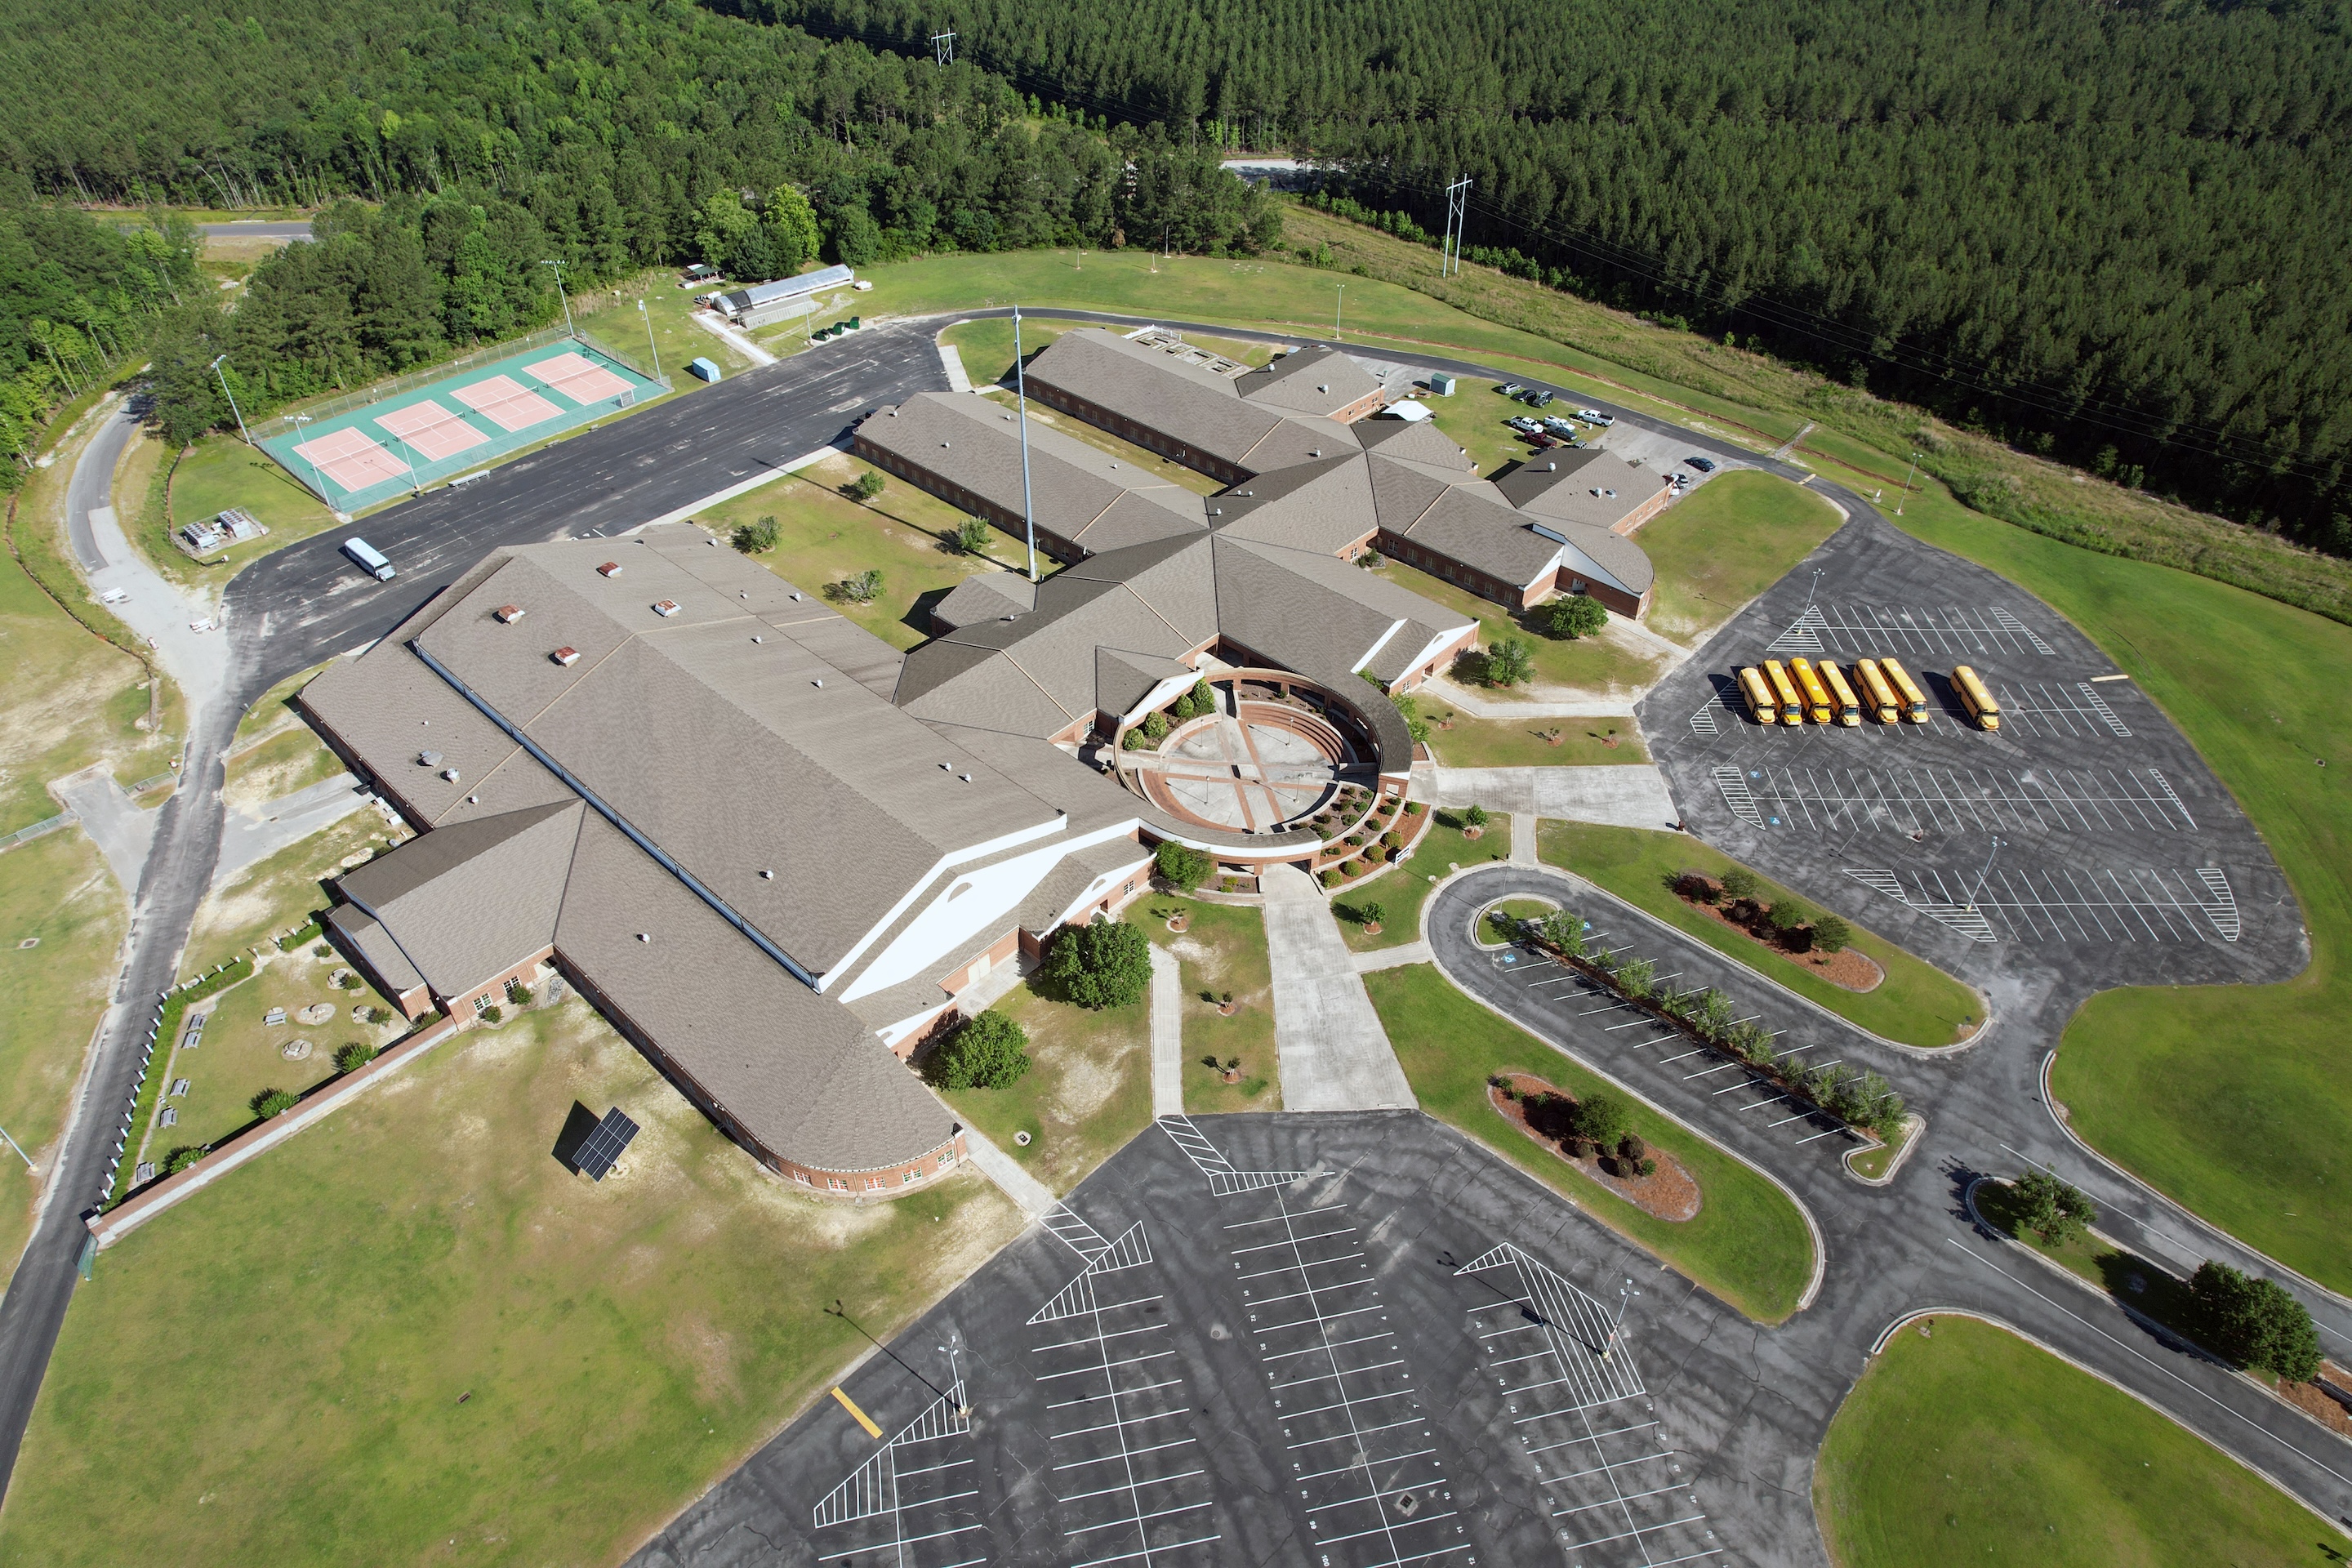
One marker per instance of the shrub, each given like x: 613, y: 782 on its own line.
x: 969, y: 538
x: 1630, y: 1147
x: 1565, y: 931
x: 1712, y: 1015
x: 1331, y: 876
x: 991, y: 1051
x: 1785, y: 916
x: 323, y: 950
x: 1182, y: 866
x: 862, y: 589
x: 353, y: 1057
x: 1831, y: 934
x: 1635, y: 977
x: 1647, y: 1167
x: 180, y: 1158
x: 1155, y: 726
x: 519, y: 993
x: 2054, y: 1210
x: 1602, y: 1119
x: 755, y: 538
x: 377, y: 1015
x: 493, y: 1014
x: 1740, y: 882
x: 1696, y: 888
x: 1475, y: 816
x: 271, y: 1102
x: 1576, y: 615
x: 1104, y: 964
x: 1351, y: 868
x: 1509, y: 662
x: 1414, y: 808
x: 1370, y: 913
x: 1136, y: 740
x: 866, y: 486
x: 2255, y: 1322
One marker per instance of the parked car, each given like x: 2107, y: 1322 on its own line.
x: 1560, y: 427
x: 1540, y: 441
x: 1538, y: 399
x: 1511, y: 389
x: 1704, y: 465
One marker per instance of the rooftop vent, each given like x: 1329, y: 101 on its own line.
x: 818, y: 682
x: 665, y: 606
x: 757, y: 637
x: 473, y: 800
x: 767, y: 876
x: 1611, y: 494
x: 796, y: 596
x: 610, y: 569
x: 565, y: 656
x: 428, y: 759
x: 945, y: 445
x: 449, y: 773
x: 509, y: 614
x: 1315, y: 453
x: 966, y: 777
x: 1322, y: 387
x: 645, y: 936
x: 1551, y: 467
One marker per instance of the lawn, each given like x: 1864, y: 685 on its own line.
x: 1511, y: 910
x: 1747, y: 1245
x: 1223, y: 950
x: 1473, y: 419
x: 217, y: 473
x: 1404, y: 887
x: 411, y: 1334
x: 2133, y: 1282
x: 1726, y: 541
x: 2177, y: 1082
x: 613, y: 317
x: 1611, y: 664
x: 1874, y: 1161
x: 1916, y: 1004
x: 290, y: 760
x: 1972, y: 1445
x: 1513, y: 744
x: 58, y: 898
x: 1086, y: 1092
x: 278, y: 893
x: 825, y: 538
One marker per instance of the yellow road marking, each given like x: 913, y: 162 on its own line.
x: 863, y: 1419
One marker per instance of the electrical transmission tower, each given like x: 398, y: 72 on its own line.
x: 1457, y: 208
x: 943, y: 48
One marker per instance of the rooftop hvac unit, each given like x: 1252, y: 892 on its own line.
x: 567, y: 656
x: 509, y: 614
x: 666, y: 608
x: 610, y: 569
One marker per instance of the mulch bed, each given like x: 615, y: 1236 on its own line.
x: 1670, y: 1195
x: 1848, y: 971
x: 2314, y: 1401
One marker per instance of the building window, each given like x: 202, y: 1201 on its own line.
x: 482, y: 1004
x: 802, y: 1177
x: 947, y: 1158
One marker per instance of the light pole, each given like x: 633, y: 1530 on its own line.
x: 567, y: 329
x: 233, y: 408
x: 20, y: 1153
x: 654, y: 348
x: 1337, y: 309
x: 1906, y: 482
x: 1021, y: 395
x: 1625, y: 1294
x: 1996, y: 847
x: 317, y: 482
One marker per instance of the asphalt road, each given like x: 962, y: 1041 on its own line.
x: 1890, y: 1250
x: 255, y: 228
x: 91, y: 485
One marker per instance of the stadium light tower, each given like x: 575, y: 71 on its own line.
x: 1021, y: 395
x: 655, y: 347
x: 567, y: 329
x: 233, y: 408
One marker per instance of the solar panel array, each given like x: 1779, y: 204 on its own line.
x: 604, y: 1146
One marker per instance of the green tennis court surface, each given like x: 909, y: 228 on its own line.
x: 361, y: 457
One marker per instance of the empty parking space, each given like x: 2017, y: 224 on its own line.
x: 1961, y: 631
x: 915, y: 1504
x: 2052, y: 902
x: 1919, y: 800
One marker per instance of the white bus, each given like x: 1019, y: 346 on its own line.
x: 370, y: 558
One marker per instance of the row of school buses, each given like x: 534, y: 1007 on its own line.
x: 1802, y: 690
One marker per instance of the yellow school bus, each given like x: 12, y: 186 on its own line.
x: 1878, y: 692
x: 1817, y: 696
x: 1792, y: 707
x: 1762, y: 706
x: 1907, y: 695
x: 1849, y: 711
x: 1975, y: 697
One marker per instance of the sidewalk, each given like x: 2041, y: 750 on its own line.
x: 1622, y: 794
x: 1167, y: 1034
x: 1335, y: 1055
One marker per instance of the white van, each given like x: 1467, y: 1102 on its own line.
x: 370, y: 558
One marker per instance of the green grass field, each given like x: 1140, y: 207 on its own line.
x: 1086, y: 1092
x: 2177, y: 1082
x: 1529, y: 743
x: 1972, y: 1445
x: 1748, y: 1244
x: 1916, y: 1004
x: 1403, y: 888
x: 1491, y: 935
x: 220, y: 472
x: 1726, y: 542
x: 411, y: 1334
x: 1608, y: 664
x: 1223, y: 950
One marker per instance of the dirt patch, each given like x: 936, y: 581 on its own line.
x: 1847, y: 970
x: 2316, y: 1403
x: 1671, y: 1193
x: 1086, y: 1085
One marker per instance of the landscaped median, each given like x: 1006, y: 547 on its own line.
x: 1399, y: 893
x: 1915, y: 1005
x: 1748, y: 1244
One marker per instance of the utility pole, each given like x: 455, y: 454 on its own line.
x: 1996, y: 847
x: 1337, y: 310
x: 1457, y: 209
x: 651, y: 346
x: 559, y: 294
x: 233, y: 408
x: 1625, y: 1294
x: 943, y: 48
x: 12, y: 1144
x: 1906, y: 482
x: 1021, y: 395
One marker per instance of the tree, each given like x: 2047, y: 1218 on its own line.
x: 1370, y: 913
x: 271, y: 1102
x: 2052, y: 1209
x: 1474, y: 815
x: 1564, y: 930
x: 1831, y: 934
x: 862, y: 589
x: 756, y: 538
x: 1509, y: 662
x: 1183, y: 867
x: 1575, y: 616
x: 969, y: 538
x: 1155, y: 726
x: 180, y: 1158
x: 867, y: 485
x: 791, y: 228
x: 353, y: 1056
x: 1603, y: 1118
x: 1504, y: 923
x: 2255, y: 1322
x: 1636, y: 977
x: 1104, y: 964
x: 991, y: 1051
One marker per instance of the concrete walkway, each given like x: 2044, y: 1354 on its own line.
x: 1523, y: 838
x: 1031, y: 1196
x: 1627, y: 794
x: 247, y: 838
x: 951, y: 362
x: 1393, y: 957
x: 1167, y: 1034
x: 1542, y: 702
x: 1333, y: 1052
x: 739, y: 341
x: 122, y: 832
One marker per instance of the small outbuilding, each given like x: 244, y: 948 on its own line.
x: 703, y: 370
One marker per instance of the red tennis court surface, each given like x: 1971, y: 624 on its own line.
x: 431, y: 431
x: 506, y: 403
x: 578, y: 378
x: 350, y: 459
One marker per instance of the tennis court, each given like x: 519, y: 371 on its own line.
x: 363, y: 453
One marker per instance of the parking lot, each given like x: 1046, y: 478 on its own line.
x: 2085, y: 821
x: 1407, y: 1353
